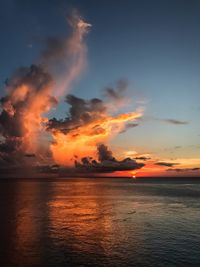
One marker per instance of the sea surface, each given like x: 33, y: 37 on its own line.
x: 99, y: 222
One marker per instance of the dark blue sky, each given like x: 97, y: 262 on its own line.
x: 155, y: 45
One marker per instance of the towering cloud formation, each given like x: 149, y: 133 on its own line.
x: 26, y: 132
x: 89, y: 123
x: 31, y: 92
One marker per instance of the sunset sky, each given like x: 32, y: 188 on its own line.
x: 150, y: 48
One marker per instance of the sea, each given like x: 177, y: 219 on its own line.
x: 99, y: 222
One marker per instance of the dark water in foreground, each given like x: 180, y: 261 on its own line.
x: 99, y: 222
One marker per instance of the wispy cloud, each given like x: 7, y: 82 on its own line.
x: 129, y: 126
x: 184, y: 169
x: 174, y: 121
x: 166, y: 164
x: 165, y: 120
x: 142, y: 158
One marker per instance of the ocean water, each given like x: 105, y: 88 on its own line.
x: 99, y: 222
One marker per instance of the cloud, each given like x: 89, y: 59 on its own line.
x: 168, y: 120
x: 81, y: 112
x: 104, y: 153
x: 175, y: 122
x: 27, y: 135
x: 88, y: 123
x: 184, y: 169
x: 65, y: 57
x: 107, y: 163
x: 142, y: 158
x: 129, y: 126
x: 166, y: 164
x: 10, y: 152
x: 31, y: 93
x: 116, y: 96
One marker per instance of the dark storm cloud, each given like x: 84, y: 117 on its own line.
x: 106, y: 163
x: 166, y: 164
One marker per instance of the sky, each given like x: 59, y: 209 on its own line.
x: 152, y: 45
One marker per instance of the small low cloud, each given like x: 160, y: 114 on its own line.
x: 166, y: 164
x: 165, y: 120
x: 184, y: 169
x: 142, y: 158
x: 175, y: 122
